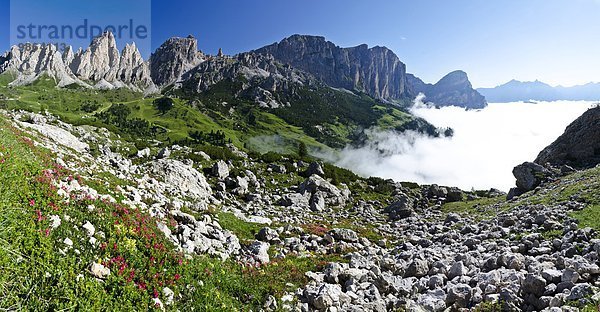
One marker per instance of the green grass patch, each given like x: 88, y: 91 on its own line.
x: 481, y: 208
x: 242, y: 229
x: 588, y: 217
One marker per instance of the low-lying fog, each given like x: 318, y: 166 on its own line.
x: 487, y: 144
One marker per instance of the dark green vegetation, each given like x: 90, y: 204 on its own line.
x: 333, y: 117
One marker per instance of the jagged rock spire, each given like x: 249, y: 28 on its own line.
x: 101, y: 64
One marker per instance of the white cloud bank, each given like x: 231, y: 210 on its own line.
x: 487, y: 144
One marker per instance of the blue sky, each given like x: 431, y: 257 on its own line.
x: 557, y: 41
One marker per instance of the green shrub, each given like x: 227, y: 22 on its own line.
x: 217, y: 152
x: 339, y: 175
x: 302, y: 150
x: 271, y: 157
x: 163, y: 104
x: 90, y: 107
x: 381, y: 186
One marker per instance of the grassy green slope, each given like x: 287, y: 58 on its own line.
x: 332, y: 117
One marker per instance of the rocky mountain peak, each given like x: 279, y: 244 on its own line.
x: 173, y: 58
x: 100, y: 60
x: 453, y: 89
x: 457, y: 78
x: 376, y: 71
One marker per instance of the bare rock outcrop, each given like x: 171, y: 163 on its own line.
x: 579, y: 146
x: 376, y: 71
x: 173, y: 58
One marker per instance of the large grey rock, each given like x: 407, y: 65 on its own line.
x: 534, y: 284
x: 314, y: 168
x: 459, y: 295
x: 552, y: 276
x: 434, y: 300
x: 220, y: 170
x: 183, y: 180
x: 581, y: 291
x: 345, y: 235
x: 316, y: 185
x: 317, y: 202
x: 267, y: 235
x: 402, y: 207
x: 457, y: 269
x: 417, y: 268
x: 325, y: 296
x: 260, y: 251
x: 529, y: 175
x: 332, y: 271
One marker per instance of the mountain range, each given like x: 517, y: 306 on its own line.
x: 377, y: 71
x: 514, y: 91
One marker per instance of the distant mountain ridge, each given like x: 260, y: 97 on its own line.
x: 451, y: 89
x: 514, y: 91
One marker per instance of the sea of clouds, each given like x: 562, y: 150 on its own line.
x: 486, y: 146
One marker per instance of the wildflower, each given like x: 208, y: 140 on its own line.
x: 131, y: 275
x: 39, y: 216
x: 53, y: 206
x: 177, y: 276
x: 31, y: 202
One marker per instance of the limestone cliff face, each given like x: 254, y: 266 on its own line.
x: 30, y: 63
x: 99, y: 65
x: 376, y: 71
x: 454, y: 89
x: 99, y: 61
x: 173, y: 58
x: 579, y: 146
